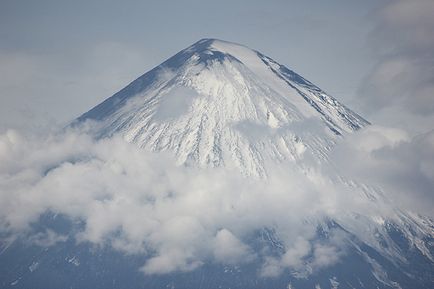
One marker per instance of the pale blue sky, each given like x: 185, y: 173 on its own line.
x: 59, y: 58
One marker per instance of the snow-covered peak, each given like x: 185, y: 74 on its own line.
x: 247, y: 56
x: 217, y: 103
x: 217, y: 45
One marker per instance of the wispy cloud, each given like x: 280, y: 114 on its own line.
x: 399, y: 91
x: 389, y: 158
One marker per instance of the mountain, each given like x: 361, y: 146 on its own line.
x: 220, y: 105
x: 217, y: 103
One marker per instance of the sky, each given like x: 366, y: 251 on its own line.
x: 60, y: 58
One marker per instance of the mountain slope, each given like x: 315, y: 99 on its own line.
x: 217, y: 103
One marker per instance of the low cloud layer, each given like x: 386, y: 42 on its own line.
x: 139, y: 202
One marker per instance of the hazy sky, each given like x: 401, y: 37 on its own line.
x: 59, y: 58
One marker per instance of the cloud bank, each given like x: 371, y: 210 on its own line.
x: 140, y: 202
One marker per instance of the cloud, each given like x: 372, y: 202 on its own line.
x: 389, y: 158
x: 398, y: 93
x: 304, y: 257
x: 228, y: 249
x: 47, y: 238
x: 138, y: 202
x: 292, y: 258
x: 401, y: 85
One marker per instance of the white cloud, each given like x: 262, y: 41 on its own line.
x: 325, y: 255
x: 228, y: 249
x: 392, y: 160
x: 140, y: 202
x: 47, y: 238
x: 303, y: 257
x: 294, y: 255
